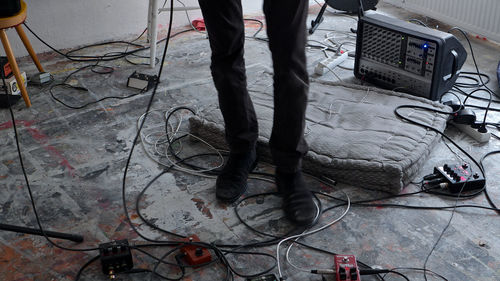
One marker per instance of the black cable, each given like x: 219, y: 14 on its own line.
x: 391, y: 205
x: 421, y: 269
x: 470, y: 76
x: 219, y: 254
x: 418, y: 22
x: 444, y: 230
x: 81, y: 58
x: 474, y: 59
x: 487, y: 108
x: 28, y: 186
x: 482, y: 167
x: 89, y: 103
x: 398, y: 273
x: 150, y: 103
x: 155, y: 268
x: 434, y: 129
x: 477, y: 71
x: 87, y: 264
x: 449, y: 139
x: 261, y: 26
x: 460, y: 91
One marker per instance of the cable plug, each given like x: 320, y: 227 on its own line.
x: 373, y: 271
x: 431, y: 176
x: 482, y: 129
x: 323, y: 271
x: 455, y: 105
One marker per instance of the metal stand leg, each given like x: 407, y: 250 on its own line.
x: 154, y: 32
x: 319, y: 19
x: 20, y: 229
x: 150, y: 7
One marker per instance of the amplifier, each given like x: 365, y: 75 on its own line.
x: 403, y: 56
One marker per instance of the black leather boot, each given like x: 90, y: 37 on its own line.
x: 232, y: 181
x: 298, y: 202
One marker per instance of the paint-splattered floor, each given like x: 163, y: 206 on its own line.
x: 75, y: 162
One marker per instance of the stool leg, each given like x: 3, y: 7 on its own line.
x: 28, y: 46
x: 15, y: 68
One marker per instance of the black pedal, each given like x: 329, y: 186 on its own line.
x: 458, y: 175
x: 141, y: 81
x: 115, y: 257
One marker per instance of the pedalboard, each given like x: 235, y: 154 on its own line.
x: 195, y: 254
x: 398, y: 55
x: 457, y: 178
x: 346, y: 268
x: 115, y: 257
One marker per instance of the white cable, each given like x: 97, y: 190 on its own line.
x: 172, y: 136
x: 335, y: 74
x: 288, y: 258
x: 188, y: 18
x: 309, y: 233
x: 180, y: 168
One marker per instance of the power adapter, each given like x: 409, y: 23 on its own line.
x: 115, y: 257
x: 465, y: 116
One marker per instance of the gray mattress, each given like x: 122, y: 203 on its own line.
x: 352, y: 131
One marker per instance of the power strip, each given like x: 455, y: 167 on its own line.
x: 473, y: 132
x: 330, y: 63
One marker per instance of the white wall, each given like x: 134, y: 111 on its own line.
x: 480, y: 17
x: 71, y: 23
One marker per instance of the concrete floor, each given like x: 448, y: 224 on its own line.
x: 75, y: 161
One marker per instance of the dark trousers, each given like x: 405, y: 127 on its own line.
x: 286, y: 29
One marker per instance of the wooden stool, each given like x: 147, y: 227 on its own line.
x: 16, y: 21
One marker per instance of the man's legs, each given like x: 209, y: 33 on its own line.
x: 286, y: 28
x: 226, y: 33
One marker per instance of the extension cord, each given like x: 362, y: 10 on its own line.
x: 473, y: 133
x: 330, y: 63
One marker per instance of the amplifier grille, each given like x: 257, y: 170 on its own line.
x: 381, y: 45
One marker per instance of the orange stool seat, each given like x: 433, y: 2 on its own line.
x: 16, y: 21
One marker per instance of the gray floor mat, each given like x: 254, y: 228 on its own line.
x: 352, y: 131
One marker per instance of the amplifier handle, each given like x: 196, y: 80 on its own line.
x: 454, y: 67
